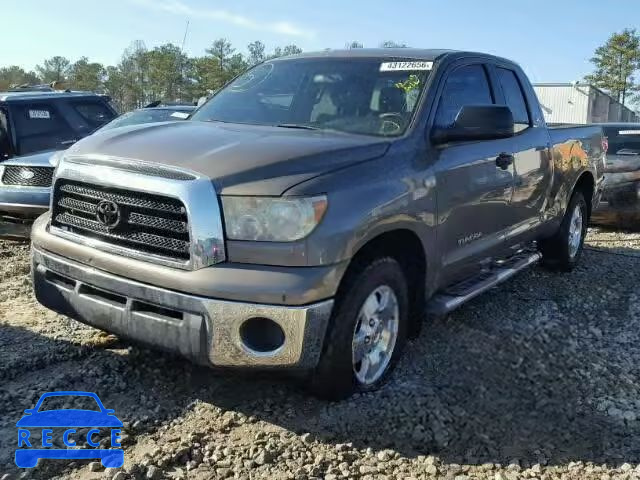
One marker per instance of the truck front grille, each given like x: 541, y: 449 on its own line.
x: 27, y: 176
x: 140, y: 221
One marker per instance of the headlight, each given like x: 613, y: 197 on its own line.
x: 269, y: 219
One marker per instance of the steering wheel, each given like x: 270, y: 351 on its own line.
x: 391, y: 122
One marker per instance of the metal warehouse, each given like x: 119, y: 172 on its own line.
x: 580, y: 103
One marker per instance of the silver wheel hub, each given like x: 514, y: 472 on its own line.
x: 375, y: 335
x: 575, y: 231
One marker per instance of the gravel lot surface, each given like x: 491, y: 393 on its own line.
x: 539, y: 378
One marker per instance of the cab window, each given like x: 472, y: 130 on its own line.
x: 40, y: 127
x: 467, y: 85
x: 94, y: 113
x: 5, y: 139
x: 514, y: 98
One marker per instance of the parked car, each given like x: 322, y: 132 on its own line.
x: 25, y: 188
x: 621, y: 198
x: 35, y: 123
x: 151, y: 114
x: 311, y: 211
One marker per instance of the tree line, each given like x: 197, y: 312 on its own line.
x: 145, y: 75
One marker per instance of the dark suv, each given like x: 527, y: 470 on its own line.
x: 33, y: 126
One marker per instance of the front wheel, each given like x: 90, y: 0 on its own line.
x: 367, y: 331
x: 563, y: 250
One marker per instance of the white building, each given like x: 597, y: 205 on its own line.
x: 580, y: 103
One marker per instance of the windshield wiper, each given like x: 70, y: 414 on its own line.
x: 297, y: 125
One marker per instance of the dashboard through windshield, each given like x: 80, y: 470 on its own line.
x: 363, y: 96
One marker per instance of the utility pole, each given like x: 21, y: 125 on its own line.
x: 184, y: 39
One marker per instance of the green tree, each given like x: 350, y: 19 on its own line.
x: 86, y: 75
x: 166, y: 67
x: 285, y: 51
x: 54, y: 69
x: 354, y: 44
x: 256, y: 52
x: 221, y: 50
x: 115, y: 85
x: 14, y: 76
x: 615, y: 63
x: 393, y: 44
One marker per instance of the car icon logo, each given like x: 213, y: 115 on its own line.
x: 71, y: 420
x: 26, y: 174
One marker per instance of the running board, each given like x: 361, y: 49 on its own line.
x: 451, y: 298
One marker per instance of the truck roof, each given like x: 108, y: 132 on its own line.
x: 428, y: 54
x: 35, y: 95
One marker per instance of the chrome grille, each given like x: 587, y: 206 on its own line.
x: 27, y: 176
x: 146, y: 222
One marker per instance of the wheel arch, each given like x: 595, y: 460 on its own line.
x: 585, y: 183
x: 403, y: 244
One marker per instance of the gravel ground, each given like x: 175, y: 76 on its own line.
x: 539, y: 378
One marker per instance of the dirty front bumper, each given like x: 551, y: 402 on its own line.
x: 206, y: 330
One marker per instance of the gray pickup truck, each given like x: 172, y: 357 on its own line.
x: 312, y: 211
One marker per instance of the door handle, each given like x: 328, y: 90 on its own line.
x: 504, y: 160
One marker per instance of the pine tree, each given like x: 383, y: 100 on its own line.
x: 615, y: 63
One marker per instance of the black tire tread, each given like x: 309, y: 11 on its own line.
x: 325, y: 381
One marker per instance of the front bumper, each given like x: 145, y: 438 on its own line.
x: 19, y: 207
x: 206, y: 330
x: 25, y: 201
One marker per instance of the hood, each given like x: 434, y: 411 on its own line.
x: 240, y: 159
x: 40, y: 159
x: 69, y: 418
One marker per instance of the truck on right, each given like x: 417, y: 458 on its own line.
x: 620, y: 206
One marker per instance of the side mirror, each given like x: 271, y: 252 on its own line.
x: 477, y: 122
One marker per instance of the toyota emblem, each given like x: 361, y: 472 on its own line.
x: 26, y: 174
x: 108, y: 213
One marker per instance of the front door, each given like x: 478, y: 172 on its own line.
x: 474, y: 181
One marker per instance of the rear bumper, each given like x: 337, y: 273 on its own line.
x: 206, y: 330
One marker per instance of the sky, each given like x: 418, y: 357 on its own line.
x: 552, y: 40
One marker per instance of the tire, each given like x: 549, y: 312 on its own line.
x: 335, y: 377
x: 562, y: 251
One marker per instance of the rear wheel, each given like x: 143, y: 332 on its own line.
x: 367, y: 332
x: 563, y: 250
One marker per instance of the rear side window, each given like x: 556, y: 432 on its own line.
x: 39, y: 127
x: 466, y: 85
x: 514, y: 98
x: 94, y: 113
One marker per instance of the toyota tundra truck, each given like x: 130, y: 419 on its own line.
x: 315, y: 210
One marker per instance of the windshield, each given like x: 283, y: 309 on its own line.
x: 62, y: 402
x: 146, y: 116
x: 623, y: 140
x: 365, y: 96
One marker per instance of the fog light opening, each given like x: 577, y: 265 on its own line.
x: 262, y: 335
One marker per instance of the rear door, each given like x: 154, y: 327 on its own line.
x: 473, y: 191
x: 530, y: 148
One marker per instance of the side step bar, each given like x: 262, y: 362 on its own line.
x: 448, y: 300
